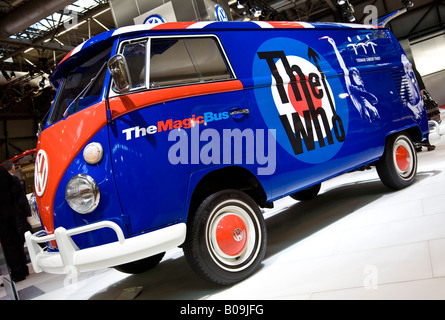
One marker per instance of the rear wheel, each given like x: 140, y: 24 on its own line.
x: 226, y: 238
x: 398, y: 166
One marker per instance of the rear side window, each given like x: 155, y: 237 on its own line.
x: 180, y: 61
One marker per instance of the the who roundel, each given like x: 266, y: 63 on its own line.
x: 300, y: 99
x: 41, y: 172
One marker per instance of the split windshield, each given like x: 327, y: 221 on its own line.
x: 72, y: 96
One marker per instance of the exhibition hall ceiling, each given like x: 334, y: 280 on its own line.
x: 36, y: 34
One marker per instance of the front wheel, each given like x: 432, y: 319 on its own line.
x: 226, y: 238
x: 397, y: 168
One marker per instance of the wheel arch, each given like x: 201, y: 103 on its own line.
x: 231, y: 177
x: 414, y: 132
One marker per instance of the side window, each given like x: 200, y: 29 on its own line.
x: 135, y: 54
x: 179, y: 61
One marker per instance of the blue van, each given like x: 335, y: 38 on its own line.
x: 177, y: 134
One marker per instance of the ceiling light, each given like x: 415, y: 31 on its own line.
x: 346, y: 10
x: 42, y: 83
x: 407, y: 4
x: 256, y: 12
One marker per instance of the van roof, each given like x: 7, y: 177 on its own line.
x: 107, y: 37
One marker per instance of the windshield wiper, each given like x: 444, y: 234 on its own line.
x: 40, y: 124
x: 84, y: 91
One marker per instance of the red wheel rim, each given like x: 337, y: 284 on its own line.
x: 231, y: 235
x: 403, y: 158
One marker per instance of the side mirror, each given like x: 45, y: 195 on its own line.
x: 119, y: 72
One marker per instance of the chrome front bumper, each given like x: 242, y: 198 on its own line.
x: 70, y: 259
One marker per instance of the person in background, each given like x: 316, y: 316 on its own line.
x: 10, y: 238
x: 23, y: 209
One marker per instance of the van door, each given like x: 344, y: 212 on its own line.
x: 183, y: 100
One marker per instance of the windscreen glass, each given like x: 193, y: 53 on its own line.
x: 74, y: 94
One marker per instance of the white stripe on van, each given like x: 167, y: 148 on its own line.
x: 200, y: 25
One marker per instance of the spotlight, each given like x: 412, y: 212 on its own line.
x: 351, y: 18
x: 407, y: 4
x: 346, y: 10
x: 256, y: 12
x: 42, y: 83
x: 246, y: 17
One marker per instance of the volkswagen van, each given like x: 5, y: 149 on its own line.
x: 175, y: 135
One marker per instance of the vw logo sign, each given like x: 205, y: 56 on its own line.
x: 238, y: 234
x: 220, y: 13
x: 154, y: 19
x: 41, y: 172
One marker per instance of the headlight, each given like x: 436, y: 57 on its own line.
x: 82, y: 194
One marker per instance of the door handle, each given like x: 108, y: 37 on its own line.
x: 239, y: 112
